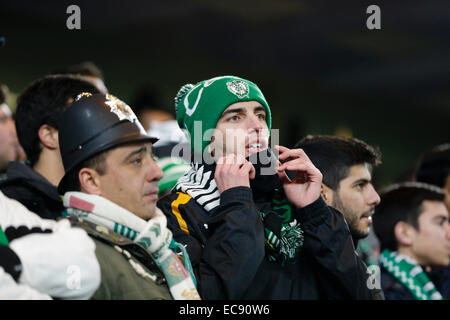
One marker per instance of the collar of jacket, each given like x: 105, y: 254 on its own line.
x: 266, y: 179
x: 19, y: 171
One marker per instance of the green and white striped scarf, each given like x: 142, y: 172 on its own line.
x: 283, y: 234
x: 153, y: 235
x: 410, y: 274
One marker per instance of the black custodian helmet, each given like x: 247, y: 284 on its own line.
x: 93, y: 124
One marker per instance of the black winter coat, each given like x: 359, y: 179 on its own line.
x: 32, y: 190
x: 227, y: 250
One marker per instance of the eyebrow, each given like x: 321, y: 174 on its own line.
x: 241, y: 110
x: 142, y: 149
x: 441, y: 216
x: 360, y: 181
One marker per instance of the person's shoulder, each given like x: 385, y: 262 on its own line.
x: 127, y: 274
x: 392, y: 288
x: 176, y: 202
x: 128, y: 270
x: 174, y: 196
x: 99, y: 232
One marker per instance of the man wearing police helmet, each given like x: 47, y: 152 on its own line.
x: 110, y: 188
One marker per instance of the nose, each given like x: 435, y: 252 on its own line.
x: 447, y: 233
x: 254, y: 123
x: 154, y: 171
x: 12, y: 128
x: 373, y: 197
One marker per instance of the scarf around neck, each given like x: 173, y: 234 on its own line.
x: 410, y: 274
x: 283, y: 234
x: 153, y: 235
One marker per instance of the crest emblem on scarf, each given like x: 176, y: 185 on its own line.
x: 238, y: 88
x: 120, y: 108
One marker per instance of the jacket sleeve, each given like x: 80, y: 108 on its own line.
x: 227, y: 256
x: 17, y: 221
x: 11, y: 290
x: 328, y: 240
x: 47, y: 255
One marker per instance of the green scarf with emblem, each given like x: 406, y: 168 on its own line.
x: 283, y: 234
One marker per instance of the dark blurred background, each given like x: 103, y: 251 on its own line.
x: 320, y: 68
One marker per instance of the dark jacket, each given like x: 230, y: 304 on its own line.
x: 440, y: 276
x: 395, y: 290
x: 373, y: 276
x: 227, y: 250
x: 392, y: 288
x: 32, y: 190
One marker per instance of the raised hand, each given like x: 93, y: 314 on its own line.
x: 306, y: 187
x: 233, y: 171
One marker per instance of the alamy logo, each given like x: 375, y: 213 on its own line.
x: 373, y: 281
x: 74, y: 20
x: 374, y: 20
x: 74, y: 278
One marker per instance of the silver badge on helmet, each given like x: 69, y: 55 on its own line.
x: 122, y: 110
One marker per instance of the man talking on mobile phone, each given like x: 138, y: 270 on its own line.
x: 254, y: 233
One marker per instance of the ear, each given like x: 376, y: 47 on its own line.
x: 48, y: 136
x: 89, y: 181
x: 404, y: 233
x: 327, y: 194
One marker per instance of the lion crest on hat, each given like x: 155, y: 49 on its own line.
x: 238, y: 88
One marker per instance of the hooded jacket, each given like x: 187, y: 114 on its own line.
x: 227, y: 248
x: 32, y: 190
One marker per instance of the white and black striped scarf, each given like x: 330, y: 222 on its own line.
x: 284, y: 236
x: 199, y: 183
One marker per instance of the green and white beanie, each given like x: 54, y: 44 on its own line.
x: 206, y: 101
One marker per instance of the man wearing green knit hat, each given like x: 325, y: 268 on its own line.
x: 200, y: 107
x: 250, y: 233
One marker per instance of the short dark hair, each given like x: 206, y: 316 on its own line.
x: 401, y: 202
x: 148, y: 98
x: 44, y: 102
x: 434, y: 167
x: 334, y: 156
x: 97, y: 162
x: 86, y: 68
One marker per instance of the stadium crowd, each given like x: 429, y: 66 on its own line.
x: 104, y: 200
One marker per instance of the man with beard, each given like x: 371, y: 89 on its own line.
x: 254, y: 233
x: 346, y: 165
